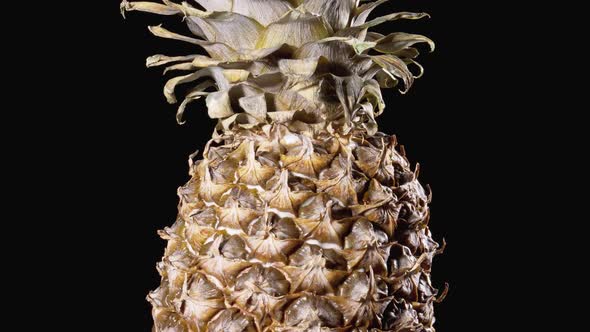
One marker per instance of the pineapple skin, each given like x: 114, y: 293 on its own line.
x: 285, y: 231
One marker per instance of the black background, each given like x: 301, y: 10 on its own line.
x: 129, y: 156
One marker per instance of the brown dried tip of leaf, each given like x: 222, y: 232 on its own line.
x: 442, y: 248
x: 443, y: 295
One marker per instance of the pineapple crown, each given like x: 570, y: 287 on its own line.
x: 308, y: 63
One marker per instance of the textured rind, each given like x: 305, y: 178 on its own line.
x: 290, y: 249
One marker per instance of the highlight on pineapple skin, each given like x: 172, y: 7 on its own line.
x: 301, y: 215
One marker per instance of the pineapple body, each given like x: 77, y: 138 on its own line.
x: 301, y: 215
x: 284, y: 231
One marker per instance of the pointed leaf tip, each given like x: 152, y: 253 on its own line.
x: 123, y: 8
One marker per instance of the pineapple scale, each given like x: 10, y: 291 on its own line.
x: 345, y: 247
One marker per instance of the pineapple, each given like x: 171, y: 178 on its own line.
x: 300, y: 216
